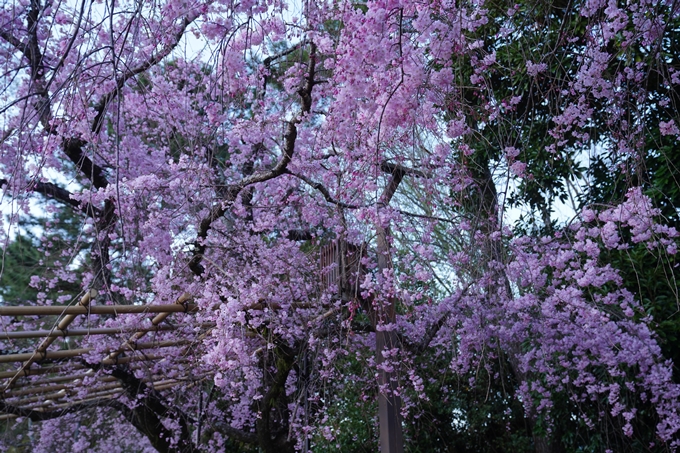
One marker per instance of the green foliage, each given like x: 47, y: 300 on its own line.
x: 21, y: 260
x: 460, y: 417
x: 351, y: 408
x: 41, y: 250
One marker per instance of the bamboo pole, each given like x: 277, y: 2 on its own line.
x: 77, y: 332
x: 156, y: 382
x: 76, y: 352
x: 74, y: 377
x: 61, y: 330
x: 54, y: 386
x: 35, y: 357
x: 51, y: 405
x: 121, y: 360
x: 108, y: 394
x: 54, y: 380
x: 56, y: 369
x: 159, y: 318
x: 43, y: 370
x: 44, y: 398
x: 52, y: 400
x: 97, y: 310
x: 75, y: 380
x: 37, y: 390
x: 95, y: 393
x: 20, y: 334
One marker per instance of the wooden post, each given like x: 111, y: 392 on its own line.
x: 389, y: 402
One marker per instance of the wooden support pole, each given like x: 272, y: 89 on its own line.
x: 389, y: 401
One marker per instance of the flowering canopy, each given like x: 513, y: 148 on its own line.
x: 219, y: 149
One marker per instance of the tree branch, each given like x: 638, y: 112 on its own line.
x: 326, y: 194
x: 16, y: 43
x: 233, y: 191
x: 389, y: 167
x: 268, y: 61
x: 103, y: 103
x: 62, y: 195
x: 146, y: 415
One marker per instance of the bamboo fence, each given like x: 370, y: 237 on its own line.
x: 49, y: 393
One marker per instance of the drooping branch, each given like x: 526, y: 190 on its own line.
x: 31, y: 51
x: 16, y: 43
x: 153, y: 60
x: 72, y: 40
x: 74, y: 148
x: 232, y: 191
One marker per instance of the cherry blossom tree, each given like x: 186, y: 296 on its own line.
x: 331, y: 185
